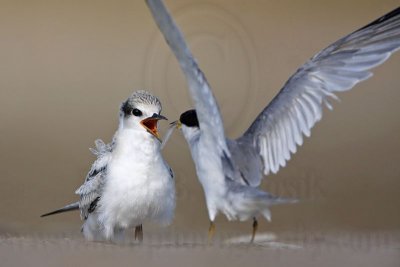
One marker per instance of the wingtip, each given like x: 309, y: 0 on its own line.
x: 70, y: 207
x: 395, y: 12
x: 46, y: 214
x: 50, y: 213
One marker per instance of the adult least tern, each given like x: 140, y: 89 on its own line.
x: 129, y: 183
x: 231, y: 170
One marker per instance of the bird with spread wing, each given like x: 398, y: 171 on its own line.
x: 230, y: 171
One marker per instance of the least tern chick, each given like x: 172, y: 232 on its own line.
x: 231, y: 170
x: 130, y: 183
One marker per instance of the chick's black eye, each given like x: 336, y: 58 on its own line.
x: 136, y: 112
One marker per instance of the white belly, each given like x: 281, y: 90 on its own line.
x: 139, y: 189
x: 211, y: 176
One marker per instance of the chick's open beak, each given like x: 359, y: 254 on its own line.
x: 150, y: 124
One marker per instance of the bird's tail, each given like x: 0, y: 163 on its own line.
x: 276, y: 200
x: 270, y: 200
x: 70, y: 207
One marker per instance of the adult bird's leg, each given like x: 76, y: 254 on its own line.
x: 139, y: 233
x: 255, y: 226
x: 211, y: 231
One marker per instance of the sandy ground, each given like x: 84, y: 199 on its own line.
x: 169, y: 249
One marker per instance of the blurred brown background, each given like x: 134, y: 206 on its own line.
x: 67, y: 65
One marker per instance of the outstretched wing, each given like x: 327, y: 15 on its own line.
x: 206, y: 106
x: 279, y: 128
x: 90, y: 192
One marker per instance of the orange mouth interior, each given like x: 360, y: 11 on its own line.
x: 151, y: 125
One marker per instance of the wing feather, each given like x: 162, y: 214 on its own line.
x: 90, y: 192
x: 279, y: 128
x: 206, y: 106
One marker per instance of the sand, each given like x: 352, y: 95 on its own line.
x: 171, y: 249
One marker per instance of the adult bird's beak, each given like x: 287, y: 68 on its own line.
x: 177, y: 124
x: 150, y: 124
x: 172, y: 126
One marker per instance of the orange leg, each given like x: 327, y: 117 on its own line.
x: 211, y: 232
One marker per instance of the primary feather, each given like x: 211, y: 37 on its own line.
x: 279, y: 128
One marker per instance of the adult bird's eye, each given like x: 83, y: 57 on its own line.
x: 136, y: 112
